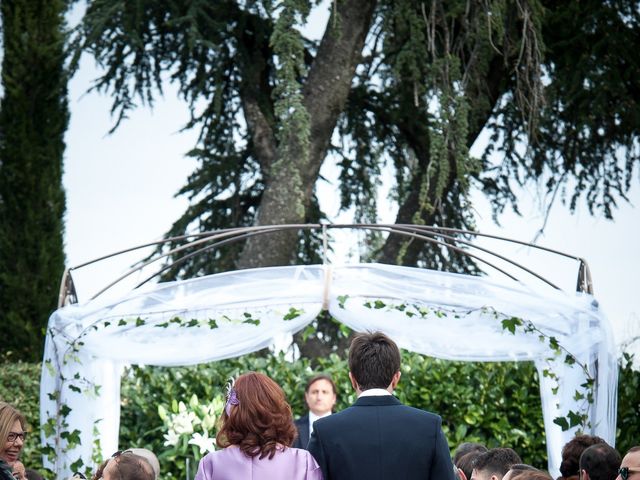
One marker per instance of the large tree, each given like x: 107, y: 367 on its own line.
x: 33, y: 120
x: 413, y: 83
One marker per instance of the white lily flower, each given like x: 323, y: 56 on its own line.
x: 171, y: 438
x: 205, y: 443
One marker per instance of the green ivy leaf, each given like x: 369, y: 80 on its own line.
x: 212, y: 323
x: 122, y: 322
x: 293, y: 313
x: 140, y: 322
x: 378, y: 304
x: 511, y: 324
x: 342, y: 300
x: 72, y: 438
x: 77, y: 465
x: 562, y: 422
x: 575, y: 418
x: 73, y: 388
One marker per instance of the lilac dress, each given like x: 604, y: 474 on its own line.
x: 232, y: 464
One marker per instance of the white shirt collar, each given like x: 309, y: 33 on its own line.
x: 374, y: 392
x: 313, y: 417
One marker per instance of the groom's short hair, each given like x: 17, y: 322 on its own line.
x: 373, y: 360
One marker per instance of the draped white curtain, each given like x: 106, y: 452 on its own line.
x: 449, y: 316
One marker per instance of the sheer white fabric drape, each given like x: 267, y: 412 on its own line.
x: 444, y: 315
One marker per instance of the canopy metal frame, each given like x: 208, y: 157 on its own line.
x: 450, y: 238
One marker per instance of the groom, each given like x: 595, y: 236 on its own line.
x: 378, y: 437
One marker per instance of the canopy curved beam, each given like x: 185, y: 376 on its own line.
x: 230, y: 235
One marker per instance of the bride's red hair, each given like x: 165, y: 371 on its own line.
x: 262, y: 420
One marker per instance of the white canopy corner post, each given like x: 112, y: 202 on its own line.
x: 79, y: 403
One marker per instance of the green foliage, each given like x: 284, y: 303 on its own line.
x: 33, y: 120
x: 628, y: 426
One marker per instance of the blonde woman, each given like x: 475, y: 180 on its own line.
x: 12, y: 435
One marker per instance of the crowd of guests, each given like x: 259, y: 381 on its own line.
x: 376, y: 438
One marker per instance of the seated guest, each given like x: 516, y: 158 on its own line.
x: 124, y: 466
x: 494, y: 464
x: 320, y: 397
x: 570, y: 466
x: 599, y: 462
x: 630, y: 467
x: 12, y: 435
x: 256, y: 435
x: 517, y: 469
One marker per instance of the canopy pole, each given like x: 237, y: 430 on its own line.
x: 327, y: 270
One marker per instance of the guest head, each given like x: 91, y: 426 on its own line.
x: 518, y: 468
x: 570, y: 466
x: 531, y: 475
x: 150, y: 457
x: 494, y: 464
x: 599, y: 462
x: 257, y: 417
x: 320, y: 395
x: 630, y: 466
x: 125, y: 466
x: 33, y: 474
x: 466, y: 462
x: 467, y: 447
x: 12, y: 433
x: 374, y: 362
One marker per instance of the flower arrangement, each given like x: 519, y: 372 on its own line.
x: 190, y: 428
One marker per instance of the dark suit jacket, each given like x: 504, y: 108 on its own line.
x: 302, y: 425
x: 379, y: 438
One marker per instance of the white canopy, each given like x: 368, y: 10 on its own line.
x: 444, y: 315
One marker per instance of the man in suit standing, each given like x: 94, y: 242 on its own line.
x: 320, y: 396
x: 379, y: 438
